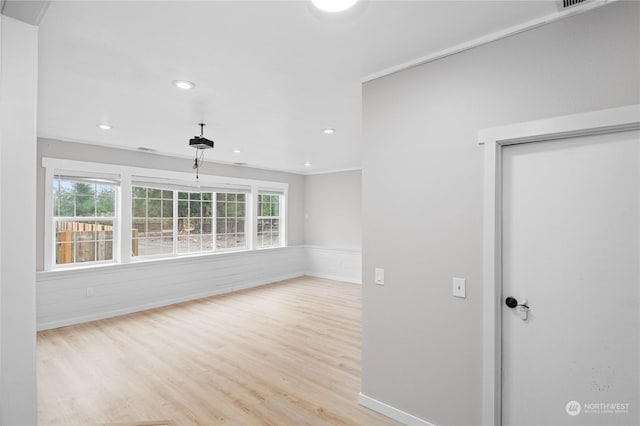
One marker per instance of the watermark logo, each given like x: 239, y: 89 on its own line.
x: 573, y: 408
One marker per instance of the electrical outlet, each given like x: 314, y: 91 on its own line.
x: 460, y: 287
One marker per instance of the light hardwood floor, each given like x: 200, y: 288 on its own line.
x: 283, y: 354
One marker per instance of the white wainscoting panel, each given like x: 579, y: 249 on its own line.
x: 74, y: 296
x: 334, y: 264
x: 63, y: 298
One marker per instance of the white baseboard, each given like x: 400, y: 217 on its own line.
x: 391, y: 412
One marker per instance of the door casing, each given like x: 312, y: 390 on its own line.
x: 494, y: 139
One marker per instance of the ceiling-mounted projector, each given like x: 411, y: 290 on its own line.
x: 200, y: 142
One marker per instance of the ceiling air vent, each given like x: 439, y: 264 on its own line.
x: 571, y: 3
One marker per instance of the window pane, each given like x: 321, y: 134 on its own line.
x: 84, y: 189
x: 85, y: 251
x: 167, y: 208
x: 206, y: 196
x: 221, y: 226
x: 154, y: 228
x: 207, y: 242
x: 194, y: 208
x: 241, y: 197
x: 155, y: 223
x: 183, y: 244
x: 207, y: 226
x: 231, y: 197
x: 183, y: 208
x: 231, y: 209
x: 241, y: 210
x: 139, y: 192
x: 85, y: 205
x: 221, y: 196
x: 139, y: 207
x: 221, y: 241
x: 81, y: 236
x: 104, y: 250
x: 221, y: 210
x: 275, y: 209
x: 206, y: 209
x: 140, y: 225
x: 194, y: 195
x: 195, y: 243
x: 154, y: 208
x: 106, y: 205
x: 240, y: 225
x: 183, y: 195
x: 67, y: 205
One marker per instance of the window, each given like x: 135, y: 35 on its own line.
x: 84, y: 215
x: 195, y: 222
x: 164, y: 214
x: 152, y: 221
x: 230, y: 220
x: 268, y: 234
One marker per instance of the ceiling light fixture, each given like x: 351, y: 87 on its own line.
x: 308, y: 163
x: 104, y: 126
x: 329, y: 131
x: 333, y: 5
x: 236, y: 151
x: 184, y: 84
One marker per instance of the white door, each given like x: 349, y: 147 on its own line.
x: 570, y: 247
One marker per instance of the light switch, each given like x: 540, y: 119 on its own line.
x: 460, y: 287
x: 379, y: 276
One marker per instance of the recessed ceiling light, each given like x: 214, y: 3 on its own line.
x: 183, y: 84
x: 333, y: 5
x: 308, y: 163
x: 236, y: 151
x: 329, y: 131
x: 104, y: 126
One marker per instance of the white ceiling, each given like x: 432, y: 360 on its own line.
x: 270, y: 75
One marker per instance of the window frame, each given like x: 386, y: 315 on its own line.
x: 279, y: 217
x: 160, y: 179
x: 52, y: 219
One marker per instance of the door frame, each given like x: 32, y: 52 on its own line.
x: 494, y: 140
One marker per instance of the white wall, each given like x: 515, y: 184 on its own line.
x: 422, y: 194
x: 333, y: 210
x: 18, y: 85
x: 333, y: 226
